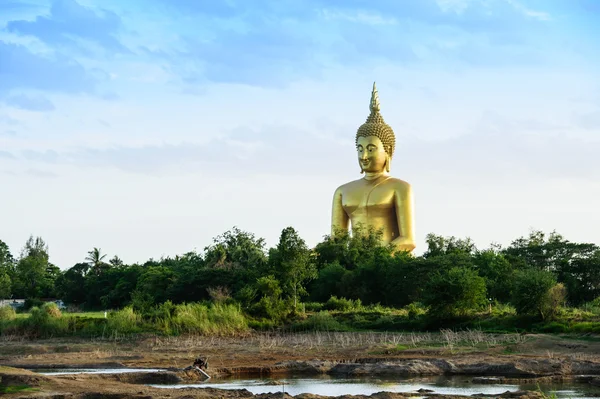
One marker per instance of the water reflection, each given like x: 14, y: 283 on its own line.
x: 94, y: 371
x: 455, y: 385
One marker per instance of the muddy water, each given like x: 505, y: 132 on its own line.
x: 455, y: 385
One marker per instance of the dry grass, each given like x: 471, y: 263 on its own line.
x: 341, y: 340
x: 477, y: 338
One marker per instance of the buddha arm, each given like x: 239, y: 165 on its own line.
x: 339, y: 218
x: 403, y: 199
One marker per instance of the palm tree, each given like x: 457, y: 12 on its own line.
x: 95, y: 260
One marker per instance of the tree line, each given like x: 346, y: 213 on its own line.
x: 537, y: 274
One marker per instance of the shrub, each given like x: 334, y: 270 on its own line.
x: 7, y: 313
x: 313, y: 306
x: 593, y: 306
x: 415, y: 309
x: 52, y: 309
x: 124, y: 321
x: 503, y: 309
x: 42, y: 323
x: 219, y: 294
x: 343, y: 304
x: 322, y: 321
x: 554, y: 300
x: 212, y: 319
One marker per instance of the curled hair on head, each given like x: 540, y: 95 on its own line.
x: 376, y: 126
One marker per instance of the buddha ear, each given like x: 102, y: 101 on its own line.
x: 388, y: 161
x: 362, y: 170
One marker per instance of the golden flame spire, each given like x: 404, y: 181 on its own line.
x: 376, y: 126
x: 374, y: 106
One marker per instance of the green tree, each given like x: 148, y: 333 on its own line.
x: 5, y: 285
x: 236, y: 249
x: 530, y: 293
x: 498, y: 273
x: 328, y: 282
x: 95, y: 258
x: 349, y: 250
x: 291, y: 262
x: 32, y: 267
x: 438, y: 245
x: 581, y: 277
x: 153, y: 285
x: 454, y: 292
x: 6, y: 271
x: 546, y: 252
x: 116, y: 261
x: 70, y: 284
x: 270, y: 304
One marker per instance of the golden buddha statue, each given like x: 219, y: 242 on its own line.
x: 377, y: 201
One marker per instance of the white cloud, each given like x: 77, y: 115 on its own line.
x: 456, y: 6
x: 539, y: 15
x: 358, y: 16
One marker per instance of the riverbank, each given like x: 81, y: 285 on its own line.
x: 338, y: 354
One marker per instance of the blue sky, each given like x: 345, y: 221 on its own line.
x: 148, y: 127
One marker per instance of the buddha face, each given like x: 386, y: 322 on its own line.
x: 371, y: 154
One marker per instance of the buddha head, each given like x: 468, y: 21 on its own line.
x: 375, y: 140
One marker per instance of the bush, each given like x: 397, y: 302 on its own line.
x: 52, y: 309
x: 415, y: 309
x: 313, y: 306
x: 343, y: 304
x: 593, y: 306
x: 43, y: 323
x: 7, y: 313
x: 503, y: 309
x: 322, y: 321
x: 554, y: 300
x: 212, y: 319
x: 124, y: 321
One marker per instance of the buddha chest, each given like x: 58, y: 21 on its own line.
x: 366, y: 201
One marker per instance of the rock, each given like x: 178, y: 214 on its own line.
x: 309, y: 367
x: 584, y: 378
x: 398, y: 368
x: 488, y: 380
x: 513, y: 395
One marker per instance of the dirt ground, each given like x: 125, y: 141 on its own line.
x: 264, y: 354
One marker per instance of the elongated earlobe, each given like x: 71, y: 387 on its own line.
x: 362, y: 170
x: 388, y: 161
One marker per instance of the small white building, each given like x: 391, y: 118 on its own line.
x: 15, y: 303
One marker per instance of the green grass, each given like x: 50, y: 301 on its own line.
x: 94, y: 315
x: 17, y: 389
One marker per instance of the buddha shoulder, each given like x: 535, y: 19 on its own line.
x: 349, y: 186
x: 398, y: 185
x: 392, y: 183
